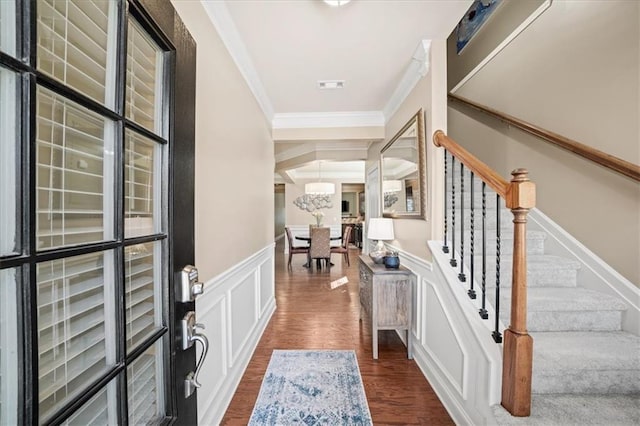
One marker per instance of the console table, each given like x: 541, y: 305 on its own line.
x: 386, y: 299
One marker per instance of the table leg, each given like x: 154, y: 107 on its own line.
x: 375, y: 342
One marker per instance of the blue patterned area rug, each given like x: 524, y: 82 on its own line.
x: 311, y: 388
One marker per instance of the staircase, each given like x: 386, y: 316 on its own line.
x: 586, y: 369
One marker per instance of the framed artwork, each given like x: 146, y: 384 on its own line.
x: 473, y: 20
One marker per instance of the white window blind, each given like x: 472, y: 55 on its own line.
x: 76, y: 45
x: 76, y: 325
x: 101, y: 410
x: 144, y: 79
x: 74, y: 174
x: 8, y: 27
x: 145, y: 388
x: 143, y: 291
x: 8, y: 161
x: 8, y: 347
x: 142, y: 185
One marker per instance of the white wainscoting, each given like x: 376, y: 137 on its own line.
x: 303, y: 231
x: 235, y: 308
x: 452, y: 345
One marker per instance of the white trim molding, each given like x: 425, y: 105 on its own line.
x: 235, y: 308
x: 317, y: 120
x: 221, y: 19
x: 417, y: 69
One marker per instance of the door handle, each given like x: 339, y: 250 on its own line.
x: 190, y: 335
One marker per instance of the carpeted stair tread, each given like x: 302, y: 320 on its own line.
x: 548, y: 299
x: 535, y: 242
x: 576, y: 410
x: 543, y: 270
x: 566, y: 309
x: 586, y: 362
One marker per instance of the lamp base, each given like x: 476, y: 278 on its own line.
x: 378, y: 254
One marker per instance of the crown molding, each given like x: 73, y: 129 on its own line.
x: 417, y: 69
x: 302, y: 149
x: 222, y: 21
x: 315, y: 120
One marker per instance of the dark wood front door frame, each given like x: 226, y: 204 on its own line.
x: 163, y: 16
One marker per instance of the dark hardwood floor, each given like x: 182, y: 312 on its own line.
x: 310, y: 315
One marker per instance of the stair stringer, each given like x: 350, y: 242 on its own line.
x: 595, y: 273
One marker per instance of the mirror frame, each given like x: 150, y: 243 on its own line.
x: 418, y: 118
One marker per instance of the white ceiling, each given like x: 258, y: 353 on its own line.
x: 283, y: 47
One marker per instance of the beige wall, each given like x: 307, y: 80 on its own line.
x: 234, y: 155
x: 430, y: 95
x: 574, y: 71
x: 506, y: 18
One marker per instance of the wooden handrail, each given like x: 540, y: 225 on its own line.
x: 480, y: 169
x: 602, y: 158
x: 520, y: 196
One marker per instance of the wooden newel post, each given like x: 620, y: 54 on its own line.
x: 518, y: 345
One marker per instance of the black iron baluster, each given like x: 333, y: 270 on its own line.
x: 453, y: 262
x: 445, y: 248
x: 472, y: 292
x: 461, y: 276
x: 497, y: 337
x: 483, y: 311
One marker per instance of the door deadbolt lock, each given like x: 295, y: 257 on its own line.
x: 190, y: 288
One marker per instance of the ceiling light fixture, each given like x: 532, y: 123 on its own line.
x: 320, y: 188
x: 336, y: 3
x: 330, y: 84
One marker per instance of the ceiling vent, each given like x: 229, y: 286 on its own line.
x: 330, y: 84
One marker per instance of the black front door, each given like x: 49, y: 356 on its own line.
x: 97, y: 114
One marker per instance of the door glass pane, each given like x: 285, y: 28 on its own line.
x: 142, y: 185
x: 99, y: 410
x: 76, y: 45
x: 143, y: 290
x: 9, y: 189
x: 8, y: 347
x: 76, y: 326
x: 144, y: 79
x: 145, y: 388
x: 74, y: 174
x: 8, y: 27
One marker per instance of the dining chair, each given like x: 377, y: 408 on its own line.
x: 294, y: 249
x: 344, y: 247
x: 320, y: 245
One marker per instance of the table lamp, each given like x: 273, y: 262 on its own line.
x: 380, y: 229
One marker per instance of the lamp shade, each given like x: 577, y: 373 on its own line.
x: 380, y: 229
x: 320, y: 188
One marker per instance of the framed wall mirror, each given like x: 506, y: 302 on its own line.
x: 403, y: 171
